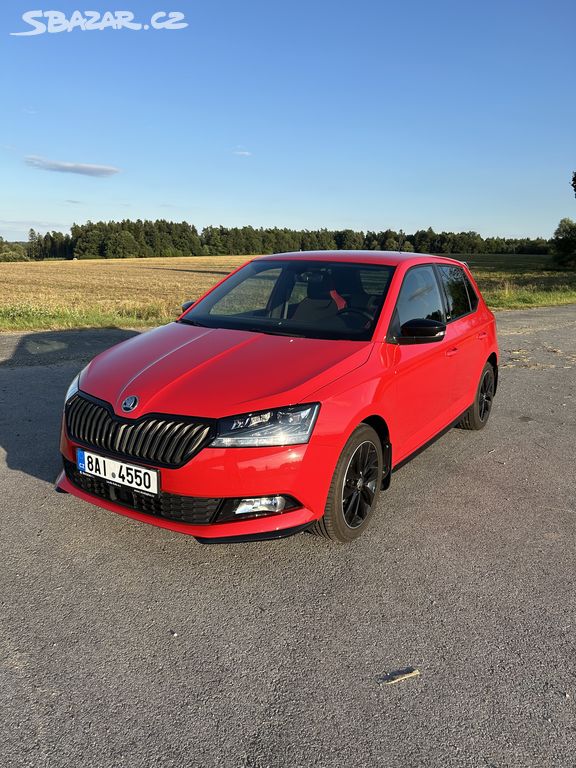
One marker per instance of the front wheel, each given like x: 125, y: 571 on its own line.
x: 354, y: 489
x: 476, y: 417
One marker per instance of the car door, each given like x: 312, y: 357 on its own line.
x: 462, y: 335
x: 422, y: 389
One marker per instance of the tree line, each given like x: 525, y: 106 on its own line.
x: 143, y: 238
x: 12, y: 251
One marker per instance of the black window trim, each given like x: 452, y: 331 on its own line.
x: 445, y: 295
x: 390, y: 337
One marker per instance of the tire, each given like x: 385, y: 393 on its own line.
x: 354, y: 489
x: 476, y: 417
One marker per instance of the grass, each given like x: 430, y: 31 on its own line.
x: 129, y: 293
x: 520, y: 282
x: 135, y: 293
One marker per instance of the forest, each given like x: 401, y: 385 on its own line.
x: 144, y: 238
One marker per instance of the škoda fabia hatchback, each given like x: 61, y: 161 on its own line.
x: 283, y: 399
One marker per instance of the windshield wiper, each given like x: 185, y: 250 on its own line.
x: 254, y: 329
x: 273, y: 332
x: 192, y: 322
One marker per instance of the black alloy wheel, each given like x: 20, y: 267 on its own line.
x: 476, y: 417
x: 486, y: 395
x: 355, y: 487
x: 360, y: 484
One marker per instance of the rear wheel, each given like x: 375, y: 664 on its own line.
x: 476, y: 417
x: 354, y: 489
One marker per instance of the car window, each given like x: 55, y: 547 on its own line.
x: 252, y: 299
x: 299, y: 289
x: 315, y: 299
x: 419, y: 297
x: 457, y: 301
x: 472, y: 295
x: 373, y: 282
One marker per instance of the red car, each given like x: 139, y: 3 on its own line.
x: 284, y: 398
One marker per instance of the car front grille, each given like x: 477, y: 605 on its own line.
x: 158, y: 439
x: 183, y: 509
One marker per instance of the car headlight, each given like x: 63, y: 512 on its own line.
x: 74, y: 386
x: 281, y: 426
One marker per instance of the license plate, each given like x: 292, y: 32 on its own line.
x: 118, y: 473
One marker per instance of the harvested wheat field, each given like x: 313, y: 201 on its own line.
x: 114, y: 292
x: 134, y: 293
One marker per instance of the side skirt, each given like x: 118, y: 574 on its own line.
x: 429, y: 442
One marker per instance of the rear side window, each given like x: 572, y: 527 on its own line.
x: 419, y: 297
x: 455, y: 282
x: 472, y: 295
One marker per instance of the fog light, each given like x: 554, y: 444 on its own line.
x: 261, y: 505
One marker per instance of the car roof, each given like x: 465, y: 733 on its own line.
x: 390, y: 258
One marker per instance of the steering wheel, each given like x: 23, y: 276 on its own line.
x: 355, y: 311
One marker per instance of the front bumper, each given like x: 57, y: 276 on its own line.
x: 242, y: 530
x: 303, y: 472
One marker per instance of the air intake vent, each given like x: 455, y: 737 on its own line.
x: 182, y: 509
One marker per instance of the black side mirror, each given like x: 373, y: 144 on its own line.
x: 421, y: 331
x: 186, y: 305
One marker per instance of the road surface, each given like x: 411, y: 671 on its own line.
x: 124, y: 644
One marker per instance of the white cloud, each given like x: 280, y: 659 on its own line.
x: 17, y: 229
x: 30, y: 223
x: 85, y: 169
x: 242, y: 152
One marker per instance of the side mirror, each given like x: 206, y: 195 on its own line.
x: 186, y: 305
x: 421, y: 331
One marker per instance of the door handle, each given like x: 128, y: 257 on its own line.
x: 482, y: 335
x: 452, y: 352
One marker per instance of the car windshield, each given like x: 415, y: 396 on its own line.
x: 313, y: 299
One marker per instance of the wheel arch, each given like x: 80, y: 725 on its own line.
x: 380, y: 426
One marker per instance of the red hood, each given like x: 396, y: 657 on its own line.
x: 214, y: 372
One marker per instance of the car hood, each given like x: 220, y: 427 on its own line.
x: 215, y: 372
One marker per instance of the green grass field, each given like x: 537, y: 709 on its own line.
x: 134, y: 293
x: 516, y: 282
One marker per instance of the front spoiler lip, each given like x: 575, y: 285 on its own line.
x: 283, y: 533
x: 274, y: 526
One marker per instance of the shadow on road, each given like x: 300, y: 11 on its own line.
x: 35, y: 371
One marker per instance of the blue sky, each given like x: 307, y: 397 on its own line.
x: 368, y: 115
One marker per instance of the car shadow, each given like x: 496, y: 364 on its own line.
x: 35, y: 371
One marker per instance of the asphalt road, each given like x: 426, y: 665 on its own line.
x: 123, y: 644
